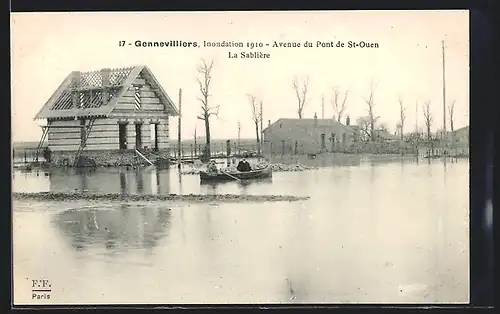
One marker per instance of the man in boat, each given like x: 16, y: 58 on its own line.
x: 244, y: 166
x: 212, y: 168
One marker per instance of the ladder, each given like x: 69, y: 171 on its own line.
x: 143, y: 157
x: 45, y: 131
x: 83, y: 143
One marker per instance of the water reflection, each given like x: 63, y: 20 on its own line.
x: 363, y: 232
x: 111, y: 180
x: 126, y: 227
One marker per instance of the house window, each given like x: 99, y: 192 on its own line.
x: 281, y: 124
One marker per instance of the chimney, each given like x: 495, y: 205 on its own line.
x: 315, y: 119
x: 347, y: 121
x: 76, y: 80
x: 105, y: 83
x: 268, y: 123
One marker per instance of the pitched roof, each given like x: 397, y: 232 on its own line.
x: 60, y: 104
x: 384, y: 134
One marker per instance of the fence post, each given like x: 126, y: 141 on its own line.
x: 228, y: 148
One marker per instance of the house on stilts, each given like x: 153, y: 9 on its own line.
x: 107, y: 114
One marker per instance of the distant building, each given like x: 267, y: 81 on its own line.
x: 299, y: 136
x: 384, y: 135
x: 106, y: 110
x: 460, y: 136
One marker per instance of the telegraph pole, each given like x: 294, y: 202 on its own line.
x: 239, y: 129
x: 444, y: 95
x: 195, y: 147
x: 261, y: 130
x: 179, y: 150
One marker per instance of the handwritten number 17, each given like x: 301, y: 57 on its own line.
x: 121, y: 43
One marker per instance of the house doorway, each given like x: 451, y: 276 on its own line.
x: 138, y: 135
x: 154, y: 136
x: 122, y: 135
x: 323, y: 143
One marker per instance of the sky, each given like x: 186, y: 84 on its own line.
x: 46, y: 47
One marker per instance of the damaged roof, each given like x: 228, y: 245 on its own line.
x: 92, y: 86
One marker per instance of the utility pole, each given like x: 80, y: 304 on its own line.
x: 195, y: 146
x: 239, y: 130
x: 322, y: 106
x: 261, y: 130
x: 179, y: 150
x: 444, y: 96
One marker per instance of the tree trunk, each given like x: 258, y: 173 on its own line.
x: 207, y: 135
x: 258, y: 138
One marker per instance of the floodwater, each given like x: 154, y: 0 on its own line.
x: 386, y: 232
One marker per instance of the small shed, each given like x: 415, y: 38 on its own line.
x: 108, y: 110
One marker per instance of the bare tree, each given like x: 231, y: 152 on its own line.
x: 301, y: 94
x: 339, y: 106
x: 451, y: 108
x: 205, y: 71
x: 428, y: 118
x: 371, y: 114
x: 402, y: 117
x: 363, y: 124
x: 256, y: 117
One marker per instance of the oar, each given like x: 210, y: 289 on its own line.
x: 227, y: 174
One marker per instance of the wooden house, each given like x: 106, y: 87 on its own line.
x: 108, y: 110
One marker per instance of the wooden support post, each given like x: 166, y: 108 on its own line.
x: 179, y: 152
x: 228, y: 148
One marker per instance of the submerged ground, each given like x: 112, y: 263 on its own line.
x: 366, y: 231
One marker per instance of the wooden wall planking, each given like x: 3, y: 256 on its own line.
x: 103, y: 140
x: 62, y: 136
x: 105, y: 128
x: 144, y: 93
x: 144, y: 100
x: 106, y: 134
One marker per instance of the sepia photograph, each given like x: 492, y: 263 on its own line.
x: 264, y: 157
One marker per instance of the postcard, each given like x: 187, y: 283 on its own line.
x: 240, y: 157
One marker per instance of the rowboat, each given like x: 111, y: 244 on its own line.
x: 221, y: 176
